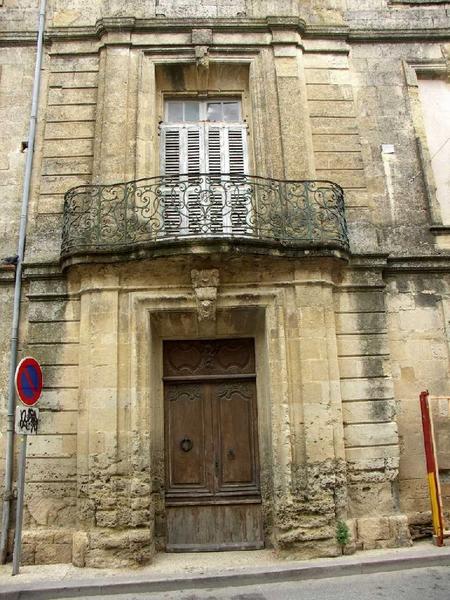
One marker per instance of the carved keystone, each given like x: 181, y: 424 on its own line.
x: 202, y: 37
x: 201, y: 57
x: 205, y: 283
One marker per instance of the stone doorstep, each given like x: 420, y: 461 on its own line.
x: 135, y: 581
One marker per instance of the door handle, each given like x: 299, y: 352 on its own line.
x: 216, y: 465
x: 231, y: 454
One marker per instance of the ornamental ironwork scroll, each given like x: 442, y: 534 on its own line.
x: 123, y: 216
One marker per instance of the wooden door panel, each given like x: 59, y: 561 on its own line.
x: 212, y: 528
x: 234, y: 403
x: 208, y: 357
x: 188, y: 419
x: 213, y: 500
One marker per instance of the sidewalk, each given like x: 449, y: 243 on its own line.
x: 201, y: 570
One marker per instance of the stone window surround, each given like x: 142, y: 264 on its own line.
x: 150, y: 105
x: 151, y: 102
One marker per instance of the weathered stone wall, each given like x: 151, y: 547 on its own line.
x: 65, y: 144
x: 369, y: 409
x: 397, y: 198
x: 343, y: 356
x: 16, y: 79
x: 418, y: 307
x: 51, y: 490
x: 16, y: 75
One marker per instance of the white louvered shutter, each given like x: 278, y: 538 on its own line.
x: 221, y: 204
x: 193, y: 154
x: 218, y: 210
x: 170, y: 163
x: 236, y: 164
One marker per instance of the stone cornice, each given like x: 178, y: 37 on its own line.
x: 42, y: 270
x: 128, y: 25
x: 398, y: 34
x: 18, y: 38
x: 421, y: 263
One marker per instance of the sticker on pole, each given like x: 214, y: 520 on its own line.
x: 29, y: 381
x: 27, y: 420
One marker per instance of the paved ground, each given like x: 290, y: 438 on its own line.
x: 173, y: 574
x: 415, y: 584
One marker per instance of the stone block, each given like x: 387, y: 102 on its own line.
x: 363, y: 322
x: 373, y: 528
x: 51, y: 469
x: 329, y: 92
x: 52, y: 446
x: 56, y: 354
x: 420, y: 319
x: 81, y: 147
x: 67, y: 131
x: 28, y: 554
x: 61, y: 376
x: 329, y: 125
x: 373, y: 366
x: 53, y: 553
x: 370, y: 498
x: 59, y: 400
x: 87, y: 79
x: 53, y: 332
x: 54, y: 422
x: 361, y: 345
x: 399, y: 530
x: 371, y: 434
x: 63, y: 537
x: 79, y: 548
x: 72, y: 96
x: 77, y: 63
x: 106, y: 518
x: 370, y: 411
x: 140, y: 518
x: 367, y: 388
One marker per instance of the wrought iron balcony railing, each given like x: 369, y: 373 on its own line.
x: 148, y: 212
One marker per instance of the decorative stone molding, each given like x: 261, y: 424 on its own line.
x: 201, y: 57
x: 205, y: 283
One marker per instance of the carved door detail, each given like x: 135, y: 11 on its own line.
x: 212, y: 465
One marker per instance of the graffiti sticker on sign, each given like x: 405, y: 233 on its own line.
x: 27, y: 420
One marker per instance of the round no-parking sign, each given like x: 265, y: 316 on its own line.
x: 29, y: 381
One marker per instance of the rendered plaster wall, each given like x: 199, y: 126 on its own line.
x: 435, y: 100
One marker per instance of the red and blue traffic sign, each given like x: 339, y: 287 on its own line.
x: 29, y: 381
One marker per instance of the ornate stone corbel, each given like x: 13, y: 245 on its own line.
x: 201, y: 57
x: 205, y: 283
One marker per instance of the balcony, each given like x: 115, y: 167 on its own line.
x: 167, y: 215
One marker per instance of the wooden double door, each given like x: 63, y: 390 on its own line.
x: 213, y: 499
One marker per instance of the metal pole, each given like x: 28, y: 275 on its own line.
x: 432, y: 470
x: 8, y: 486
x: 19, y: 509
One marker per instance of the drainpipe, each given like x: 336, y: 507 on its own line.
x: 8, y: 487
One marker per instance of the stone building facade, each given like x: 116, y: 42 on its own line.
x: 223, y: 366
